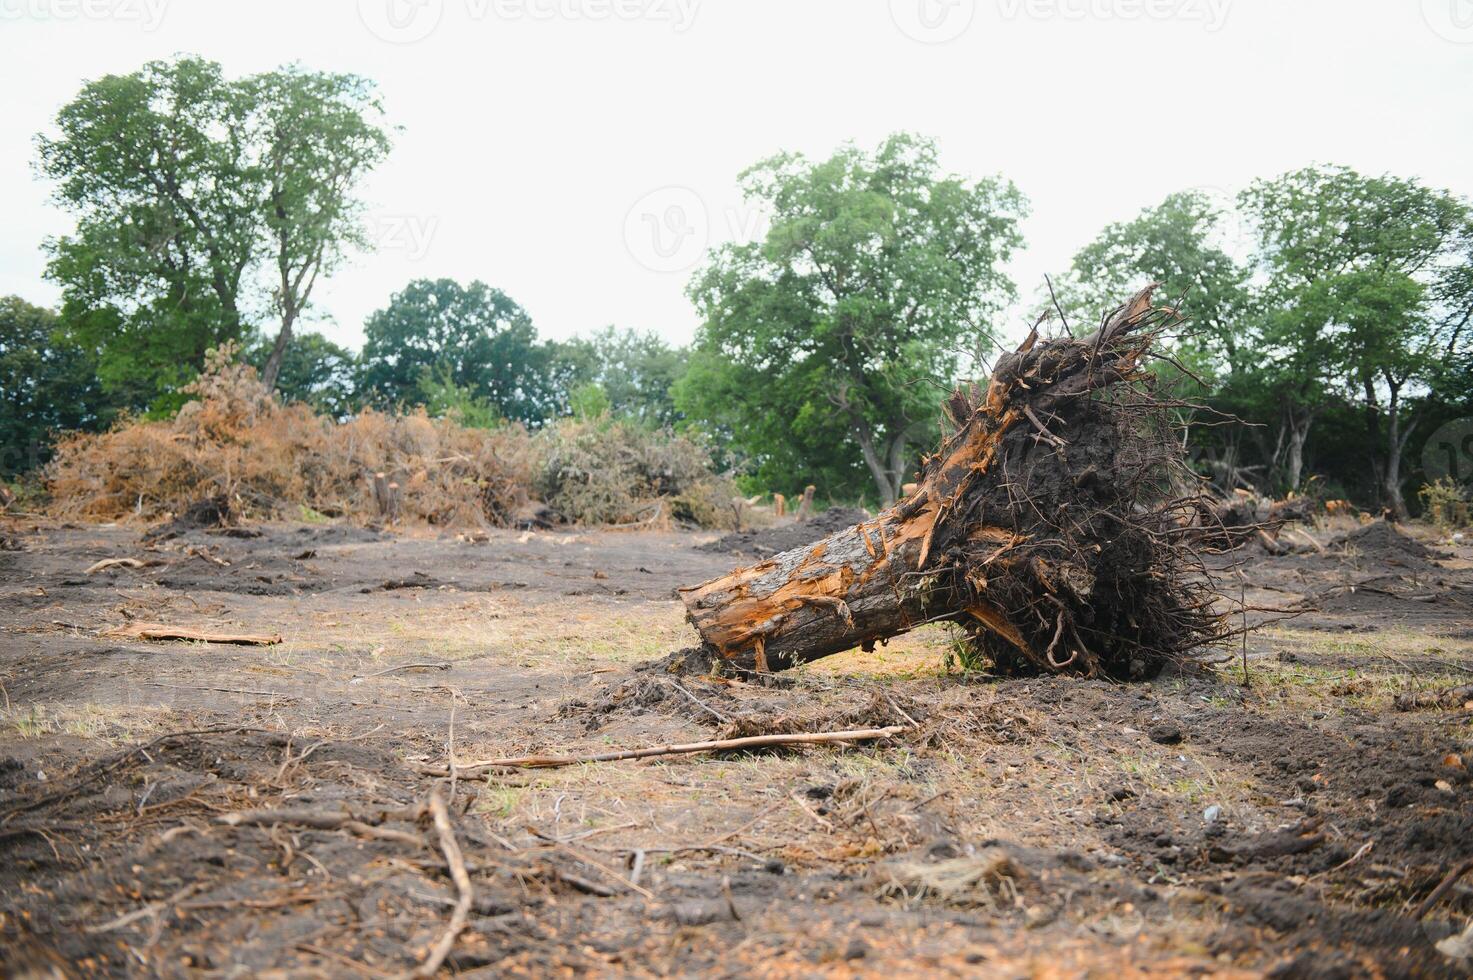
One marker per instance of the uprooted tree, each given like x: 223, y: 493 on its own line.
x: 1056, y: 524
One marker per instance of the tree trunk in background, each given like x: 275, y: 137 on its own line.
x: 1396, y: 441
x: 865, y: 436
x: 1297, y: 421
x: 272, y: 369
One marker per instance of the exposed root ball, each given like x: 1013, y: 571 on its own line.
x: 1056, y: 523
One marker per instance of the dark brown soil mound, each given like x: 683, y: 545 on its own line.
x: 1383, y: 543
x: 783, y: 537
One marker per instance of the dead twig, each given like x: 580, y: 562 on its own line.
x: 360, y: 678
x: 154, y: 631
x: 229, y: 690
x: 318, y: 820
x: 107, y: 563
x: 107, y: 766
x: 147, y: 911
x: 1443, y: 888
x: 451, y: 848
x: 811, y: 813
x: 718, y: 745
x: 699, y: 703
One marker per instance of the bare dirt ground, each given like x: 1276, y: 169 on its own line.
x: 1288, y: 825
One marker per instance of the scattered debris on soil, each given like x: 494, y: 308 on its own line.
x: 184, y: 809
x: 1381, y: 543
x: 786, y: 536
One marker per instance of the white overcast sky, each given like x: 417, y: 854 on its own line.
x: 545, y: 143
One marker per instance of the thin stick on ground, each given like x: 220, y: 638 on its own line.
x: 107, y: 563
x: 358, y: 678
x: 466, y: 895
x: 718, y: 745
x: 1443, y: 888
x: 147, y: 631
x: 698, y: 702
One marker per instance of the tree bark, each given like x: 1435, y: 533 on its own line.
x: 1297, y: 421
x: 272, y: 370
x: 866, y: 438
x: 1396, y: 441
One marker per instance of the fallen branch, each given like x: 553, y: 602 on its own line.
x: 318, y: 820
x: 462, y: 879
x: 719, y: 745
x: 1443, y: 888
x: 153, y: 631
x: 107, y: 563
x: 360, y: 678
x: 229, y: 690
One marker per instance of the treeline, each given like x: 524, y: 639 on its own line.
x: 462, y: 352
x: 1327, y: 335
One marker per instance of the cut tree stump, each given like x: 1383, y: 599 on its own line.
x: 1056, y: 523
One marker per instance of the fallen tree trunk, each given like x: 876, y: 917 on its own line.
x: 1053, y: 523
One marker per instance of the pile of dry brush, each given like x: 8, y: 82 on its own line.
x: 236, y: 442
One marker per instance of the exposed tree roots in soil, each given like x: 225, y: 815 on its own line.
x: 1058, y: 523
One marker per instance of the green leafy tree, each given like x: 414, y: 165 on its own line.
x: 474, y: 337
x: 822, y: 345
x: 205, y: 207
x: 1367, y: 296
x: 315, y: 138
x: 47, y: 385
x: 635, y: 371
x: 154, y: 273
x: 443, y: 398
x: 1179, y: 243
x: 1176, y: 243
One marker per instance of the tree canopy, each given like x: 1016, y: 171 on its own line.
x: 1354, y: 302
x: 48, y: 385
x: 1366, y: 294
x: 832, y: 333
x: 205, y: 207
x: 635, y: 371
x: 475, y: 337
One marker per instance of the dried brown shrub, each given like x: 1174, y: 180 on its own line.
x: 236, y: 442
x: 605, y: 471
x: 271, y: 459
